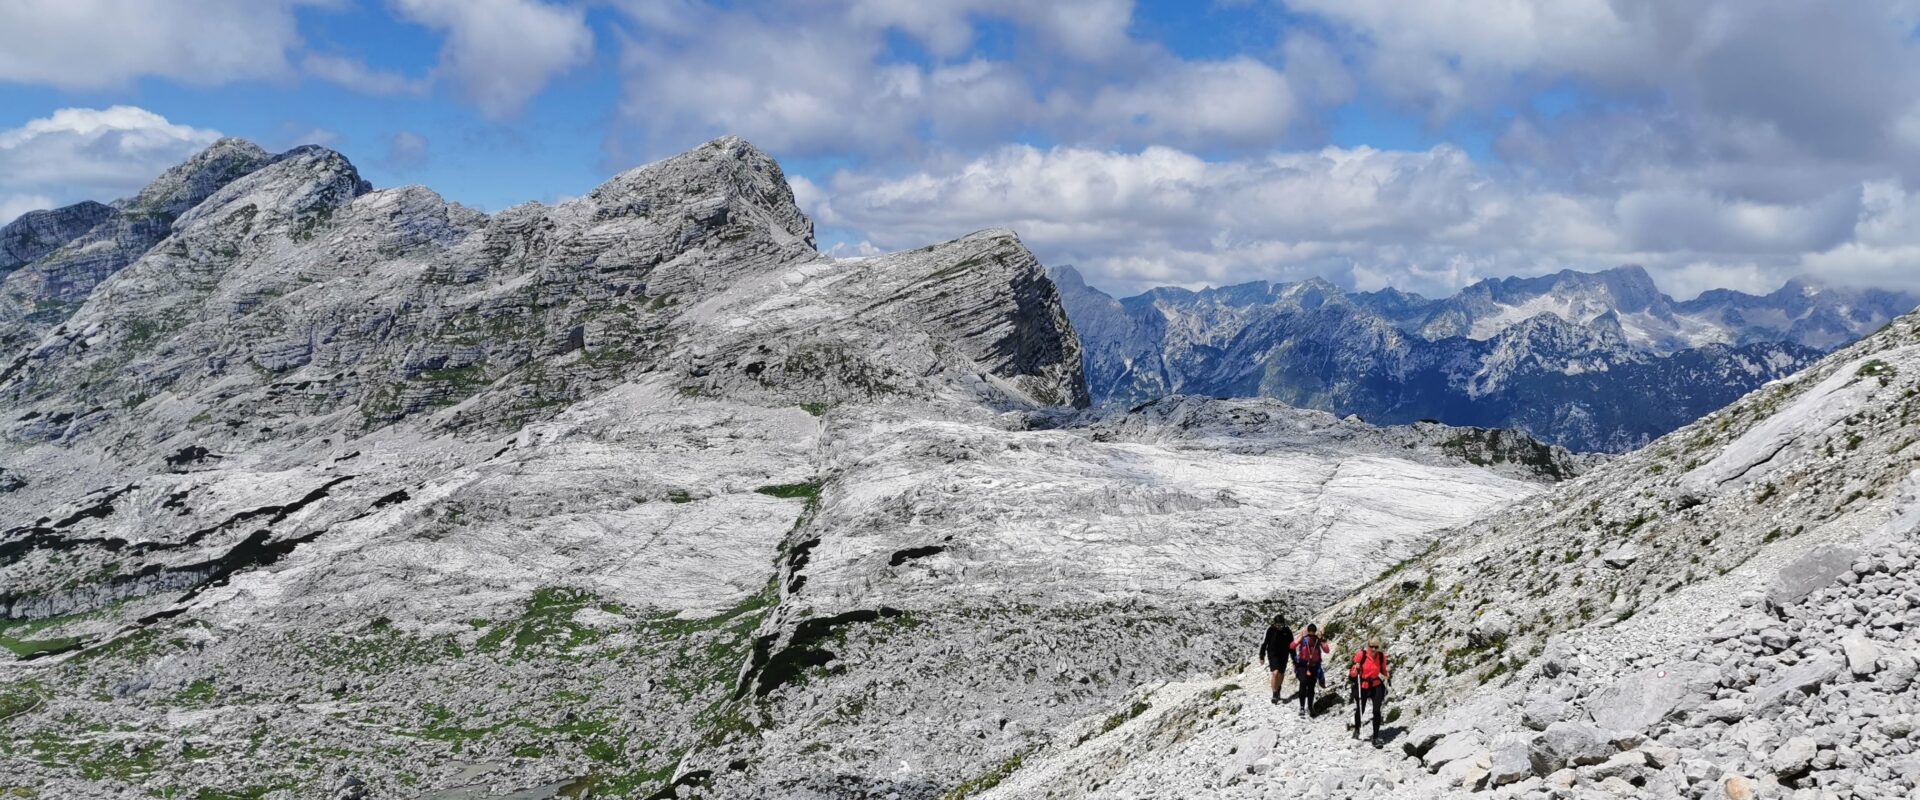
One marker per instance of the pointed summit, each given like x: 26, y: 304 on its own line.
x: 194, y: 180
x: 299, y: 183
x: 725, y: 178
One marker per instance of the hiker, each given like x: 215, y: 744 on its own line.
x: 1370, y: 674
x: 1276, y: 652
x: 1306, y: 666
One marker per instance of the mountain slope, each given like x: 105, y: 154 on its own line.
x: 1727, y: 613
x: 1590, y: 361
x: 631, y: 494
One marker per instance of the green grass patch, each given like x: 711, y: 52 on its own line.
x: 198, y: 693
x: 546, y: 627
x: 808, y: 491
x: 990, y: 779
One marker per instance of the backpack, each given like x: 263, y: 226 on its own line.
x: 1309, y: 650
x: 1368, y: 668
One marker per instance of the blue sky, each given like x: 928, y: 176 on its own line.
x: 1718, y: 143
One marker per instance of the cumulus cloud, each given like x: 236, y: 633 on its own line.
x: 354, y: 74
x: 97, y: 44
x: 406, y: 152
x: 825, y: 79
x: 1427, y: 221
x: 500, y: 53
x: 85, y: 153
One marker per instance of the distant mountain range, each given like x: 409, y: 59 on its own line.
x: 1600, y: 361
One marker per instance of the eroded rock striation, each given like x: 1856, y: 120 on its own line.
x: 334, y: 490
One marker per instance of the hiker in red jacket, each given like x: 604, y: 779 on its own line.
x: 1307, y: 651
x: 1369, y: 674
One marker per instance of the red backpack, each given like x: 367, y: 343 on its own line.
x: 1368, y: 668
x: 1308, y: 650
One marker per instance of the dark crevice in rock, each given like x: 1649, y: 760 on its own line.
x: 796, y: 561
x: 803, y: 651
x: 188, y: 456
x: 911, y: 553
x: 98, y: 510
x: 278, y: 513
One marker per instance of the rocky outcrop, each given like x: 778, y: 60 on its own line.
x: 61, y: 256
x: 36, y: 233
x: 628, y: 494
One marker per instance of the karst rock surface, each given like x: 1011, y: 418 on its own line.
x: 320, y: 490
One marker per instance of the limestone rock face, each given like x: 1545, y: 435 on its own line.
x: 36, y: 233
x: 328, y: 489
x: 54, y: 259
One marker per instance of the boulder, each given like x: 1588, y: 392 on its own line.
x: 1862, y: 654
x: 1453, y: 747
x: 1467, y: 773
x: 1804, y: 678
x: 1491, y: 627
x: 1427, y: 733
x: 1564, y: 743
x: 1625, y: 766
x: 1508, y: 762
x: 1563, y: 779
x: 1621, y: 557
x: 1794, y: 758
x: 1734, y: 787
x: 1727, y: 709
x: 1898, y: 726
x: 1542, y: 709
x: 1640, y: 699
x: 1820, y: 567
x: 1660, y: 757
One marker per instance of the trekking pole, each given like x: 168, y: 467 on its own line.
x: 1353, y: 691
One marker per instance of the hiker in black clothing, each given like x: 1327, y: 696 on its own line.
x: 1369, y: 674
x: 1306, y: 666
x: 1276, y: 652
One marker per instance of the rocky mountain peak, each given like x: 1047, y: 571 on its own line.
x: 723, y: 178
x: 304, y: 184
x: 187, y: 184
x: 1067, y: 278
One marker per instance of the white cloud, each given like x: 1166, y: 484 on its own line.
x: 1087, y: 30
x: 1825, y: 79
x: 354, y: 74
x: 1237, y: 102
x: 795, y: 89
x: 406, y: 152
x: 823, y: 79
x: 502, y: 52
x: 90, y: 154
x: 96, y: 44
x: 13, y: 205
x: 1427, y: 221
